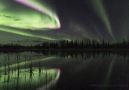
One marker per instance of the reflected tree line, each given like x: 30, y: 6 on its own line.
x: 64, y: 44
x: 77, y: 54
x: 74, y: 54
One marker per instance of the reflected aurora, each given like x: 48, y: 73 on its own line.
x: 27, y: 63
x: 23, y: 80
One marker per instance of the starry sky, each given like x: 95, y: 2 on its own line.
x: 64, y: 19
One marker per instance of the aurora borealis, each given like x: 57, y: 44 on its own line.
x: 64, y: 19
x: 100, y: 10
x: 43, y: 9
x: 21, y: 17
x: 95, y: 19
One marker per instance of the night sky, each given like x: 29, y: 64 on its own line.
x: 64, y: 19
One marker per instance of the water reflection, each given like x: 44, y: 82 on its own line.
x: 17, y: 72
x: 80, y: 70
x: 25, y: 79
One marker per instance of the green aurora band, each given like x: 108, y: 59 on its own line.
x: 28, y: 34
x: 36, y: 5
x: 20, y: 19
x: 17, y: 15
x: 100, y: 10
x: 25, y: 33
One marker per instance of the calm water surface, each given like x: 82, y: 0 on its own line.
x: 64, y: 70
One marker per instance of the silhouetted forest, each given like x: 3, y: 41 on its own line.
x: 74, y: 44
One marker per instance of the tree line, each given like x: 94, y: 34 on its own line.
x: 73, y: 44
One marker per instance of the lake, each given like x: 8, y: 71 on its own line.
x: 64, y: 70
